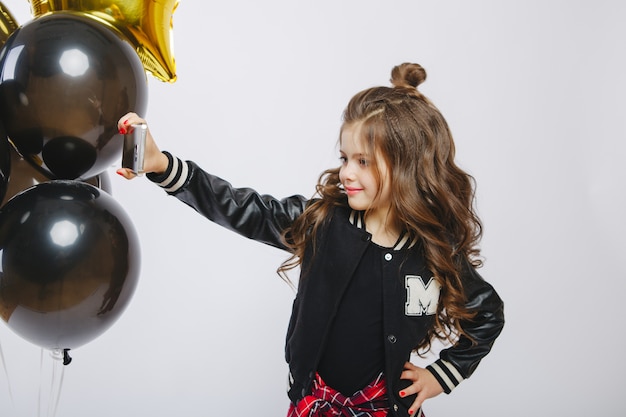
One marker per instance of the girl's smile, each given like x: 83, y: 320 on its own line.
x: 351, y: 191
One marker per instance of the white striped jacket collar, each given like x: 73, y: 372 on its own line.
x: 403, y: 242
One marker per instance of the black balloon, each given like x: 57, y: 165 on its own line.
x: 5, y: 162
x: 65, y: 81
x: 22, y: 175
x: 70, y: 263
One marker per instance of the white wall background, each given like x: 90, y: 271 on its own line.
x: 535, y: 93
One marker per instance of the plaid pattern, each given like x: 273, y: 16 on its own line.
x: 325, y: 401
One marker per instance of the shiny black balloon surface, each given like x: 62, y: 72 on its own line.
x: 70, y: 262
x: 65, y: 80
x: 5, y: 162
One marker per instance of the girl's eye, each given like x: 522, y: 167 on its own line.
x: 363, y: 162
x: 343, y: 159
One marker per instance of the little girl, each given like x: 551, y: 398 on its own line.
x: 387, y: 251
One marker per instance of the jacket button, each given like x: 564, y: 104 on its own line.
x: 395, y: 407
x: 392, y: 338
x: 388, y: 256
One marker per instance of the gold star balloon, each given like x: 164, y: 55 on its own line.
x: 7, y: 24
x: 147, y: 24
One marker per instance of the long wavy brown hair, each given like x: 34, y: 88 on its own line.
x: 432, y: 198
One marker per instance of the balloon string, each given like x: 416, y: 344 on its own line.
x: 6, y: 374
x: 51, y: 396
x: 58, y: 395
x: 40, y: 383
x: 56, y: 382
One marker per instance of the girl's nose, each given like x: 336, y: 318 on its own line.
x: 346, y: 172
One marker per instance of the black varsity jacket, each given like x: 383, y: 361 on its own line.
x: 410, y: 293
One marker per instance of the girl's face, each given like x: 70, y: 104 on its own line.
x: 358, y: 174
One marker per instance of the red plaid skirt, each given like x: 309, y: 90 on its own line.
x: 325, y: 401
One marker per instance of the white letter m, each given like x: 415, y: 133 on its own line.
x: 421, y: 298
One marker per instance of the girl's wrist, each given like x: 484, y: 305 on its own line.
x: 162, y: 164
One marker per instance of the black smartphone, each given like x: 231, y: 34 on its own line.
x: 134, y: 148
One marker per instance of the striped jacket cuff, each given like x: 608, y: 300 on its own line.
x: 448, y: 376
x: 174, y: 177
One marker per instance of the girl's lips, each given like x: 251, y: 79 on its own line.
x: 352, y: 190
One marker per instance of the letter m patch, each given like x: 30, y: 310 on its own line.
x: 421, y: 298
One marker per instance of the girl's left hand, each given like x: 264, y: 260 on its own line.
x: 425, y: 385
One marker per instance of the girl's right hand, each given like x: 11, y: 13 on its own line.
x: 154, y: 160
x: 424, y: 384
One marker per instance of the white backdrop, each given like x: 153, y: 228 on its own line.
x: 534, y: 92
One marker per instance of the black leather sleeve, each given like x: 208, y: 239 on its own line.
x: 459, y: 361
x: 242, y: 210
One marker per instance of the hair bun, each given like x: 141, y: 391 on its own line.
x: 407, y: 75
